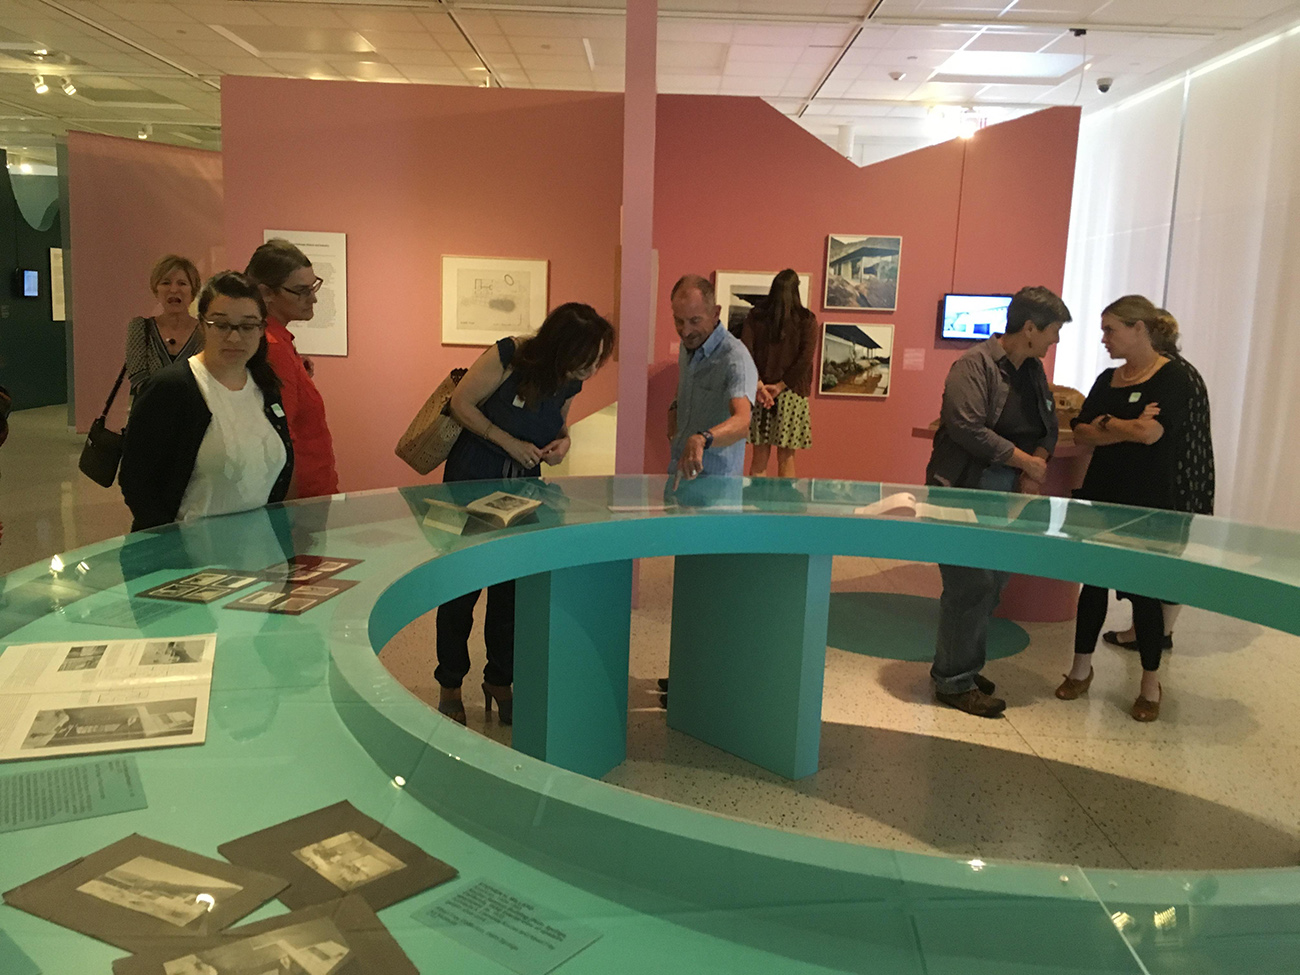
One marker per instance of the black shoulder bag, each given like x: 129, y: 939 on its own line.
x: 103, y: 450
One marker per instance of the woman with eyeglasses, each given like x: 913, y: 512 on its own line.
x: 289, y: 287
x: 208, y: 435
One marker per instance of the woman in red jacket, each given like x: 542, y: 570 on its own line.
x: 289, y: 286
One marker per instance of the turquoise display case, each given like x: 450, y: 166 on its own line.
x: 303, y: 715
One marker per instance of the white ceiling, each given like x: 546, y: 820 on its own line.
x: 828, y: 63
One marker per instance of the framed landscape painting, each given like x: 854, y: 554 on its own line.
x: 739, y: 291
x: 856, y: 360
x: 862, y: 272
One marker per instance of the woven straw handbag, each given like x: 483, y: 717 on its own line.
x: 428, y: 440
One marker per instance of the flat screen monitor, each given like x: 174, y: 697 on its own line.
x: 27, y: 283
x: 973, y: 316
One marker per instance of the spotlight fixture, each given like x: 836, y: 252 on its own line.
x: 39, y: 84
x: 40, y: 52
x: 146, y: 130
x: 68, y: 87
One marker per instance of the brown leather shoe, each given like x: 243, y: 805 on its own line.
x: 974, y: 702
x: 1071, y: 688
x: 1144, y: 710
x: 985, y: 685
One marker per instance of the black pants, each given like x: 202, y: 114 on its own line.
x: 1148, y: 624
x: 454, y: 622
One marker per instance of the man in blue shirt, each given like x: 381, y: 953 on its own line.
x: 717, y: 382
x: 716, y: 386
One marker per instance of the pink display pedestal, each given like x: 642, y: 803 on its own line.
x: 1033, y: 599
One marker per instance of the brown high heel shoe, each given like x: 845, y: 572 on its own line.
x: 1145, y: 710
x: 450, y: 704
x: 1071, y: 688
x: 504, y: 698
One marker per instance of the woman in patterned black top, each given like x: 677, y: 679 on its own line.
x: 1136, y: 419
x: 1194, y: 474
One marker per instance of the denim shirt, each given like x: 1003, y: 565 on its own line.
x: 708, y: 379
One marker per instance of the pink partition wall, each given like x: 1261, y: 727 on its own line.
x: 131, y: 201
x: 759, y: 193
x: 410, y: 173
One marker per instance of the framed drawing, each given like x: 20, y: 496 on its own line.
x: 739, y: 291
x: 326, y: 332
x: 862, y: 272
x: 856, y: 360
x: 488, y: 298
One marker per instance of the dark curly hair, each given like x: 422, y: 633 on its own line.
x: 573, y: 338
x: 232, y: 284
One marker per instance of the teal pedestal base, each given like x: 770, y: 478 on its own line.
x: 748, y: 656
x: 572, y: 631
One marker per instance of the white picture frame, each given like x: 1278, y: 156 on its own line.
x: 326, y: 332
x: 736, y: 290
x: 862, y: 272
x: 488, y: 298
x: 856, y: 360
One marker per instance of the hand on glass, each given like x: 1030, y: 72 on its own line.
x: 691, y: 462
x: 555, y: 451
x: 522, y: 452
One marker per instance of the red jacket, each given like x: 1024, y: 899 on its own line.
x: 313, y: 447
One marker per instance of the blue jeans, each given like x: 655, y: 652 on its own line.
x: 969, y: 598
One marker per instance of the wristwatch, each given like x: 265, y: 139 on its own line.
x: 708, y: 438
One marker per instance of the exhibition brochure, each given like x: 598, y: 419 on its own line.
x: 101, y: 696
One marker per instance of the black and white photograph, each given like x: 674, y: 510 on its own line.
x: 167, y: 652
x: 201, y: 587
x: 305, y: 568
x: 162, y: 890
x: 98, y: 724
x: 172, y: 590
x: 862, y: 272
x: 84, y: 657
x: 739, y: 291
x: 311, y: 948
x: 348, y: 860
x: 856, y: 359
x: 286, y: 597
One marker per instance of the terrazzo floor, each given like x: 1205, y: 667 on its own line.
x: 1214, y: 784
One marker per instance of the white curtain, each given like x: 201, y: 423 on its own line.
x: 1233, y: 248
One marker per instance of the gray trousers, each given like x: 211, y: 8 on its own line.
x: 969, y: 598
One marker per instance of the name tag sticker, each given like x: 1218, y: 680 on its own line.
x: 518, y: 403
x: 1134, y: 397
x: 277, y: 409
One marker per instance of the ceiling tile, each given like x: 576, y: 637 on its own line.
x: 554, y: 46
x: 435, y: 76
x: 426, y: 59
x: 401, y: 40
x: 568, y: 80
x: 751, y: 54
x: 698, y: 56
x: 384, y: 20
x: 1021, y: 41
x: 695, y: 31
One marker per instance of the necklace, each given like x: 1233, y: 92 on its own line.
x: 1132, y: 377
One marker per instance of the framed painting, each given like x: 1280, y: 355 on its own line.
x: 862, y: 272
x: 487, y: 298
x: 739, y: 291
x: 856, y: 360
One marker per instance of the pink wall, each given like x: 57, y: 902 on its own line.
x: 740, y: 187
x: 409, y: 173
x: 130, y: 203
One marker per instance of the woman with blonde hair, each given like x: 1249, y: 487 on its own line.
x: 171, y: 336
x: 1135, y: 419
x: 781, y: 335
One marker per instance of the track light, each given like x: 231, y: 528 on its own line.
x: 146, y: 130
x: 68, y: 87
x: 39, y: 84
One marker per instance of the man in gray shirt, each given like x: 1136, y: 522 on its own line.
x: 997, y: 428
x: 717, y: 382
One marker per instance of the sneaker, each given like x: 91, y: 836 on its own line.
x: 974, y: 702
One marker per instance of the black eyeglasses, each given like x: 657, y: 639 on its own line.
x: 245, y: 329
x: 306, y: 289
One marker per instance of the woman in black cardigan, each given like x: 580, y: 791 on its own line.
x: 207, y: 435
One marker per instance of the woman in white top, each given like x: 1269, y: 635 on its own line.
x: 208, y: 435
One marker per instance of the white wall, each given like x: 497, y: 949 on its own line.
x: 1190, y: 194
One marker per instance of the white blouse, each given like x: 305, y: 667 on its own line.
x: 241, y: 455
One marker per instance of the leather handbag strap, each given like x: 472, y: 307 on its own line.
x: 113, y: 395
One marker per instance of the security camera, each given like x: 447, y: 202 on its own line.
x: 897, y: 75
x: 1103, y: 84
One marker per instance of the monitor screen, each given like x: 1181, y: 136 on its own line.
x: 29, y: 284
x: 974, y: 316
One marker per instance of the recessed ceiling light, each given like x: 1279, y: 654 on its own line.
x: 40, y: 52
x: 39, y: 84
x: 68, y: 87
